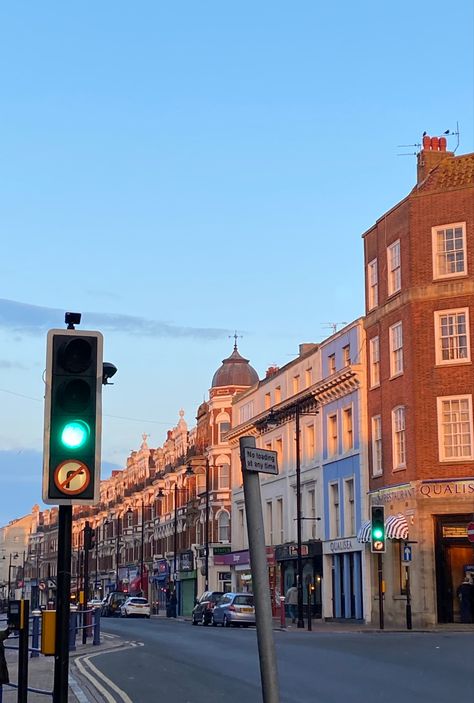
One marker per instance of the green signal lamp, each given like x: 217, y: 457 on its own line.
x: 377, y: 533
x: 75, y: 434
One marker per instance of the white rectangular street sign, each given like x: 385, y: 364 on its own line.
x: 260, y: 460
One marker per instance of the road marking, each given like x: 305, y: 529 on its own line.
x: 82, y: 661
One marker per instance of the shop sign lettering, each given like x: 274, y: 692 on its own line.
x: 447, y: 489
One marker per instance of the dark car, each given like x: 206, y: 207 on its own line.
x: 202, y: 611
x: 112, y: 603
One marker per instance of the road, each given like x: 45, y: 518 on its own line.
x: 211, y: 665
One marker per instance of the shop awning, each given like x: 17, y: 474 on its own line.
x: 364, y: 532
x: 396, y: 527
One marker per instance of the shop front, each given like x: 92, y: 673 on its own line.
x: 187, y: 583
x: 436, y: 515
x: 286, y: 562
x: 159, y: 584
x: 343, y: 597
x: 238, y: 567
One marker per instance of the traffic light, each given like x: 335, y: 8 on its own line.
x: 73, y: 418
x: 89, y: 537
x: 377, y: 529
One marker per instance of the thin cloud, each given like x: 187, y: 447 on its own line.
x: 6, y: 364
x: 24, y: 318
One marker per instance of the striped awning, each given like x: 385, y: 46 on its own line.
x: 364, y: 532
x: 396, y: 527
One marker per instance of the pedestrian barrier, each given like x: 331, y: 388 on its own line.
x: 41, y: 631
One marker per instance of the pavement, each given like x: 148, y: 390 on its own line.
x: 41, y: 669
x: 41, y: 673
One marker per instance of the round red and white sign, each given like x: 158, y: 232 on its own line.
x: 470, y: 532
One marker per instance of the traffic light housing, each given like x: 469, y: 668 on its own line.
x: 377, y: 529
x: 89, y: 537
x: 73, y: 417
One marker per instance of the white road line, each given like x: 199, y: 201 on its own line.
x: 82, y: 661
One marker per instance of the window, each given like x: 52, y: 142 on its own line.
x: 246, y: 411
x: 349, y: 512
x: 311, y: 513
x: 332, y: 363
x: 268, y: 400
x: 398, y: 438
x: 223, y: 428
x: 279, y: 451
x: 296, y: 384
x: 200, y: 483
x: 269, y: 523
x: 224, y: 476
x: 335, y: 516
x: 455, y: 428
x: 346, y: 355
x: 278, y: 394
x: 452, y: 336
x: 348, y: 438
x: 309, y: 445
x: 394, y: 268
x: 332, y: 435
x: 396, y: 350
x: 374, y: 352
x: 373, y: 285
x: 308, y: 374
x: 279, y: 521
x: 223, y: 524
x: 449, y: 250
x: 376, y: 445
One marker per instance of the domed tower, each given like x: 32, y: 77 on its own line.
x: 234, y: 375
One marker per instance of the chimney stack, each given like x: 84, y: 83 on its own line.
x: 432, y: 153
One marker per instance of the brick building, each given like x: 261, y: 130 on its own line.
x: 419, y: 266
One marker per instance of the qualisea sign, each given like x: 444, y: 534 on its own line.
x: 260, y: 460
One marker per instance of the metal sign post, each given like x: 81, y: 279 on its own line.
x: 258, y: 562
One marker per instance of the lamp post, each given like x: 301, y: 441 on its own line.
x: 142, y: 550
x: 10, y: 566
x: 206, y: 553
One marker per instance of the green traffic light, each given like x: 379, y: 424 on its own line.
x: 75, y: 434
x: 377, y: 533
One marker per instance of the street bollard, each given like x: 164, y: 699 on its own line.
x: 72, y: 629
x: 96, y: 639
x: 35, y: 633
x: 282, y: 612
x: 310, y: 623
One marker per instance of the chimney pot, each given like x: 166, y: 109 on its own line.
x: 442, y: 143
x: 426, y: 142
x: 434, y: 144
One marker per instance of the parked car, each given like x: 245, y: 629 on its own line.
x: 112, y: 603
x: 234, y: 609
x: 202, y: 611
x: 135, y: 606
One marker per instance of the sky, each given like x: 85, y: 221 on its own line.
x: 180, y: 171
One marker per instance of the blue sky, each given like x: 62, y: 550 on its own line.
x: 178, y: 171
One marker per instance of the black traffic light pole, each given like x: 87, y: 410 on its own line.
x: 63, y: 594
x: 380, y: 580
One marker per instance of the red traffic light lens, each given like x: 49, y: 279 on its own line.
x: 75, y: 356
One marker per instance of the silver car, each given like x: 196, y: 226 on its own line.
x: 234, y: 609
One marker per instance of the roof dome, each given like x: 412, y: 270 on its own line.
x: 235, y: 371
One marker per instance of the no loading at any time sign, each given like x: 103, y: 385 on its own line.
x: 72, y: 477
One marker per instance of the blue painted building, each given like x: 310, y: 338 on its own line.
x: 344, y: 472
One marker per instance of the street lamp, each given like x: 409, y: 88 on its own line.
x: 10, y: 566
x: 272, y: 419
x: 129, y: 511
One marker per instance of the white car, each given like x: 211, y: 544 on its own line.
x: 135, y: 606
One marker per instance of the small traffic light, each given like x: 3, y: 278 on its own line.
x: 73, y: 418
x: 377, y: 529
x: 89, y: 537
